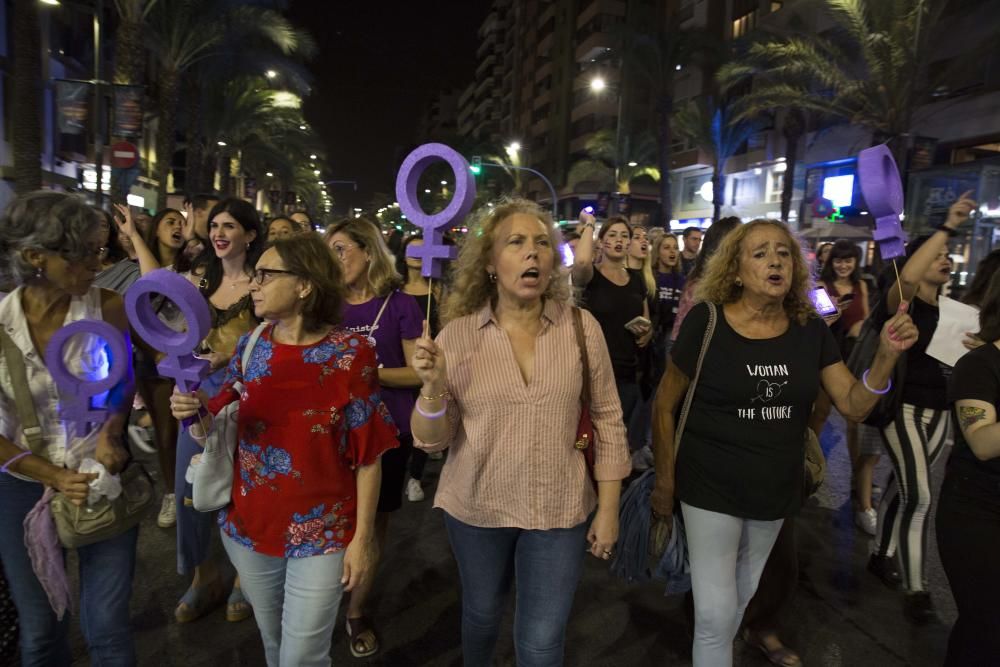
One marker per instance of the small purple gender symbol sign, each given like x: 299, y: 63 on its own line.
x: 74, y: 405
x: 883, y: 191
x: 434, y: 252
x: 180, y: 364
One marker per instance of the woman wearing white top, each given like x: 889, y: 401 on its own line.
x: 49, y: 245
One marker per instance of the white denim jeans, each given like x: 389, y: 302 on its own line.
x: 728, y: 555
x: 295, y: 602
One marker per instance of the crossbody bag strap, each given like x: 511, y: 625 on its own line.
x: 380, y: 311
x: 251, y: 342
x: 581, y: 342
x: 689, y: 397
x: 25, y: 407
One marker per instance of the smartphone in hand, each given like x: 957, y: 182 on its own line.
x: 823, y: 303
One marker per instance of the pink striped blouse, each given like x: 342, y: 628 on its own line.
x: 512, y: 462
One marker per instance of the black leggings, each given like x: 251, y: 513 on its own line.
x: 968, y: 537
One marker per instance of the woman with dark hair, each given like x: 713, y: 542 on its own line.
x: 822, y: 255
x: 985, y: 271
x: 915, y: 438
x: 300, y: 526
x: 281, y: 227
x: 119, y: 268
x: 615, y: 295
x: 968, y: 515
x: 393, y: 321
x: 303, y: 220
x: 713, y: 237
x: 223, y: 275
x: 419, y: 288
x: 50, y: 245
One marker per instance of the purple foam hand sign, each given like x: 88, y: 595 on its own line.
x: 883, y: 191
x: 180, y: 364
x: 76, y: 393
x: 434, y: 251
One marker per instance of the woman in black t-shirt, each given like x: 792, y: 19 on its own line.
x: 968, y: 516
x: 615, y: 295
x: 740, y: 469
x: 915, y: 438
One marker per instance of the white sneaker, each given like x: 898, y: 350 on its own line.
x: 413, y: 491
x: 168, y: 511
x: 867, y: 520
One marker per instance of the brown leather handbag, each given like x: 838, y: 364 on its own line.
x: 585, y: 429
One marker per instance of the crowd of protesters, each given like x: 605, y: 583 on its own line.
x: 350, y: 368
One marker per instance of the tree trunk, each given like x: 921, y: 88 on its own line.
x: 717, y: 194
x: 664, y: 139
x: 166, y: 141
x: 27, y: 121
x: 130, y: 53
x: 793, y: 128
x: 194, y: 172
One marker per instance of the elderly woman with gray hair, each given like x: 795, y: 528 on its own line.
x: 51, y: 250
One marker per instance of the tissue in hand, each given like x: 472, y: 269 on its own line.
x: 106, y: 484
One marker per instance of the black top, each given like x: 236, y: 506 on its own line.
x: 669, y: 287
x: 925, y: 385
x: 687, y: 264
x: 742, y: 452
x: 613, y: 306
x: 976, y: 377
x: 435, y: 307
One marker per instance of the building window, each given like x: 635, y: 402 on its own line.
x: 744, y: 24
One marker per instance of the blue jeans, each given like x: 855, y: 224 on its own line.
x: 547, y: 564
x: 294, y: 600
x: 106, y: 570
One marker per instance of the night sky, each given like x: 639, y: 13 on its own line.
x: 379, y: 64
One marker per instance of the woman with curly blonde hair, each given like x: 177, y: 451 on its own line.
x: 515, y: 490
x: 378, y: 309
x: 740, y: 470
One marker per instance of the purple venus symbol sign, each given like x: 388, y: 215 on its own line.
x: 180, y: 363
x: 434, y: 252
x: 883, y: 191
x: 74, y: 405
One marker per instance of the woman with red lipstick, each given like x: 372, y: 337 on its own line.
x: 615, y: 295
x: 915, y: 439
x: 223, y: 275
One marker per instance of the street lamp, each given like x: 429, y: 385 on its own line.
x: 312, y: 157
x: 633, y: 163
x: 598, y: 84
x: 514, y: 147
x: 271, y: 74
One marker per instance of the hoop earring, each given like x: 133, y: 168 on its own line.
x: 39, y: 274
x: 493, y: 277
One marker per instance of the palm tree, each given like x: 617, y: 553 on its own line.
x: 130, y: 51
x: 179, y: 40
x: 599, y: 166
x: 871, y: 70
x: 27, y: 130
x: 710, y: 124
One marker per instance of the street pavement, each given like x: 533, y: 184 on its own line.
x: 840, y: 616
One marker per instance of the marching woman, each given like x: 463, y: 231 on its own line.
x: 300, y: 527
x: 375, y: 307
x: 50, y: 244
x: 501, y: 389
x: 740, y: 464
x: 915, y: 439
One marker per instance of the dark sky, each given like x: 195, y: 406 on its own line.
x: 379, y: 63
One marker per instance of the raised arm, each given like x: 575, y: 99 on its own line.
x: 583, y: 258
x: 127, y: 227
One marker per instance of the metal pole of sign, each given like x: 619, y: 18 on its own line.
x: 98, y: 107
x: 552, y: 190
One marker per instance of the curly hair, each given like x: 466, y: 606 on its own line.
x: 382, y: 275
x: 471, y: 287
x: 718, y: 282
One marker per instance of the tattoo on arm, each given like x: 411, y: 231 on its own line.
x: 970, y: 415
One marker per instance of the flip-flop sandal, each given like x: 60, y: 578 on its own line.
x: 237, y: 607
x: 361, y: 633
x: 199, y: 601
x: 782, y: 657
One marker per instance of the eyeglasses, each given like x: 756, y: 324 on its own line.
x: 261, y: 276
x: 342, y: 248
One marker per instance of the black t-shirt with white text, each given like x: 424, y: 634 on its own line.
x: 742, y: 451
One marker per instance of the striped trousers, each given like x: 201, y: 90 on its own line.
x: 914, y: 442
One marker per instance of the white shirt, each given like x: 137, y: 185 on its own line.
x: 85, y: 356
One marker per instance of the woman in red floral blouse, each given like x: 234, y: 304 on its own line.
x: 312, y: 426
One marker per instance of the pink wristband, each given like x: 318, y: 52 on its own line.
x: 6, y: 466
x: 430, y: 415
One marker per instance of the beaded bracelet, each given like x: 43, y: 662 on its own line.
x: 431, y: 415
x: 6, y: 466
x: 444, y: 394
x: 880, y: 392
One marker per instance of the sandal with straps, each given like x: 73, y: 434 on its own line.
x: 361, y: 634
x: 196, y: 602
x: 782, y: 656
x: 237, y: 607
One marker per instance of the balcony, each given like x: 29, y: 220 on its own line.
x: 487, y: 62
x: 593, y: 46
x: 605, y: 105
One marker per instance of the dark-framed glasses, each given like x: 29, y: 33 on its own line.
x: 261, y: 276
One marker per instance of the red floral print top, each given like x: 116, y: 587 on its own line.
x: 309, y: 416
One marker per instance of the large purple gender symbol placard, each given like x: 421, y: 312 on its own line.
x: 434, y: 252
x: 74, y: 404
x: 883, y: 191
x: 180, y: 363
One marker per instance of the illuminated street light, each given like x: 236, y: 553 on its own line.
x: 271, y: 74
x: 633, y: 163
x: 316, y: 172
x: 312, y: 157
x: 428, y: 191
x: 597, y: 84
x: 514, y: 147
x: 222, y: 143
x: 270, y: 174
x: 54, y: 3
x: 444, y: 182
x: 302, y: 127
